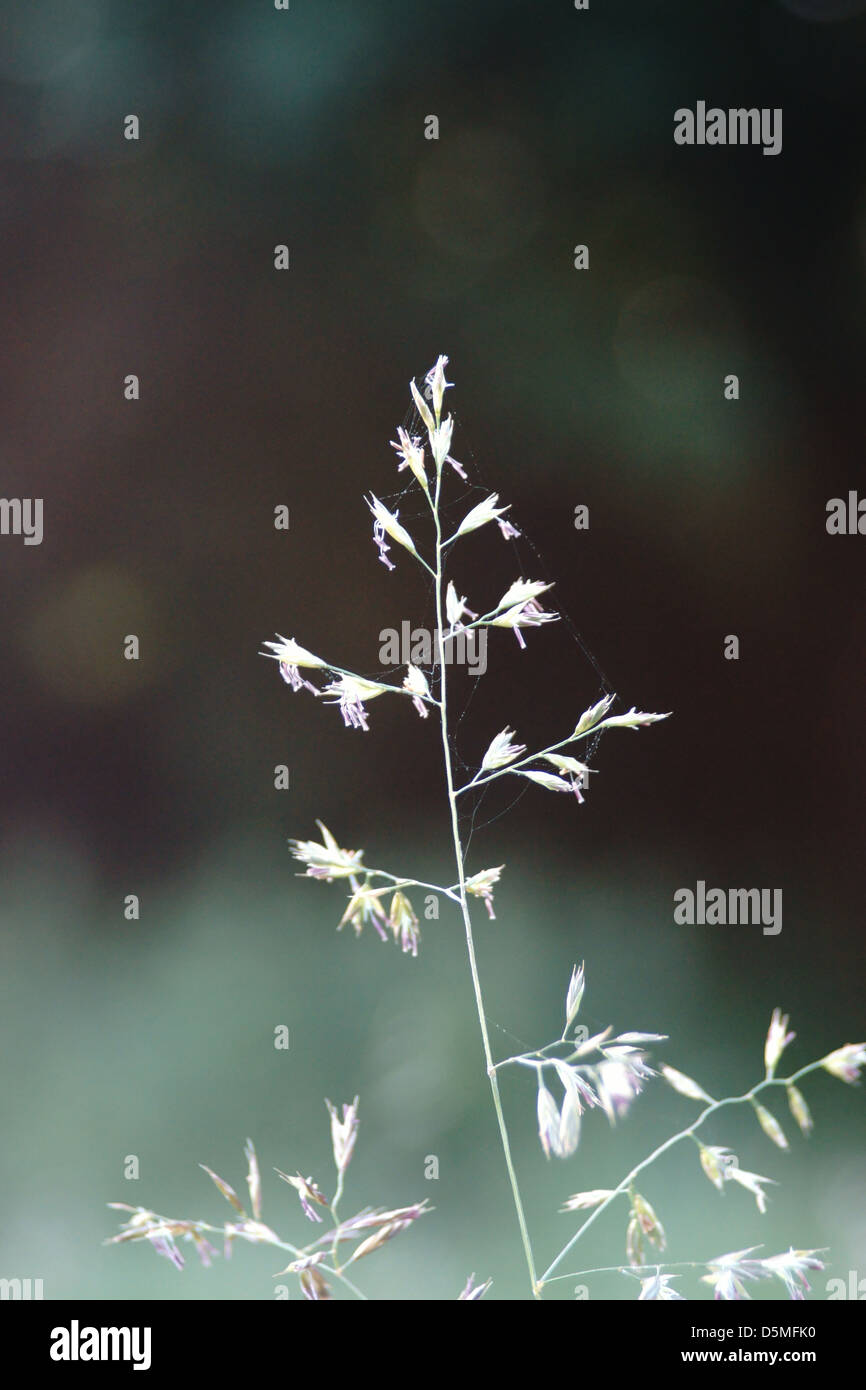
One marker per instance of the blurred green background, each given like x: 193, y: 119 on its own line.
x: 604, y: 388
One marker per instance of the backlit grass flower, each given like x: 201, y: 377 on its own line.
x: 481, y: 886
x: 576, y: 772
x: 365, y: 909
x: 592, y: 716
x: 658, y: 1286
x: 620, y: 1078
x: 351, y: 693
x: 573, y: 780
x: 684, y: 1084
x: 422, y: 408
x: 455, y: 608
x: 415, y: 684
x: 520, y: 592
x: 411, y: 451
x: 326, y: 860
x: 845, y: 1062
x: 519, y: 608
x: 728, y: 1273
x: 800, y: 1110
x: 751, y: 1181
x: 544, y: 779
x: 486, y: 511
x: 791, y: 1269
x: 440, y: 441
x: 649, y: 1223
x: 548, y: 1120
x: 571, y: 1110
x: 770, y: 1125
x: 584, y: 1201
x: 381, y: 544
x: 502, y: 751
x: 436, y: 383
x: 386, y: 1225
x: 308, y: 1193
x: 290, y: 656
x: 576, y: 986
x: 635, y: 719
x: 254, y: 1181
x: 314, y: 1286
x: 716, y: 1162
x: 344, y: 1132
x: 387, y: 523
x: 778, y: 1039
x: 472, y: 1292
x: 162, y: 1234
x: 404, y: 923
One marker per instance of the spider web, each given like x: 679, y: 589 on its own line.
x: 411, y: 506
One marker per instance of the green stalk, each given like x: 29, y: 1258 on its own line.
x: 464, y: 905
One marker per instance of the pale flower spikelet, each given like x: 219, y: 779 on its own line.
x: 484, y: 512
x: 482, y: 885
x: 351, y: 693
x: 386, y: 522
x: 778, y: 1039
x: 411, y: 451
x: 456, y: 608
x: 502, y: 751
x: 291, y: 656
x: 415, y: 684
x: 326, y: 860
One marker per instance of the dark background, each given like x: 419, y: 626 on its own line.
x: 603, y: 388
